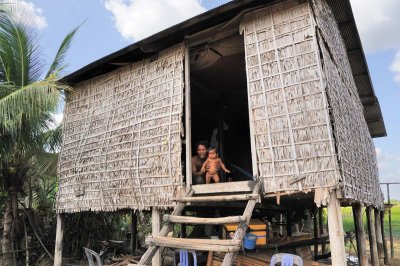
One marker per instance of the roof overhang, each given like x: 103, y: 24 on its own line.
x: 178, y: 33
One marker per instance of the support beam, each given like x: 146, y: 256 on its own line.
x: 372, y: 237
x: 360, y: 235
x: 59, y: 240
x: 378, y: 233
x: 321, y: 227
x: 188, y: 121
x: 316, y: 231
x: 155, y: 230
x: 239, y: 197
x: 385, y: 250
x: 133, y: 231
x: 336, y: 233
x: 390, y: 223
x: 199, y: 220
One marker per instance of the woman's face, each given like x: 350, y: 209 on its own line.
x: 201, y: 151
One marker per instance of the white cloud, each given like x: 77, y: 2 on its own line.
x: 137, y: 19
x: 388, y: 164
x: 27, y: 13
x: 395, y: 67
x: 378, y: 23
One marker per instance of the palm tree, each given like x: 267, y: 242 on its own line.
x: 28, y: 98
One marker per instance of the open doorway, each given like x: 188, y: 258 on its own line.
x: 219, y: 104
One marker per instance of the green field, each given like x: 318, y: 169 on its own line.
x: 349, y: 225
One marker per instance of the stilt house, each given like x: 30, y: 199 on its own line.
x: 281, y: 87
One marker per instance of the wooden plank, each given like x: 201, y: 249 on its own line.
x: 372, y: 237
x: 240, y: 186
x: 195, y: 244
x: 198, y: 220
x: 360, y: 235
x: 238, y: 197
x: 336, y: 233
x: 164, y: 231
x: 59, y: 240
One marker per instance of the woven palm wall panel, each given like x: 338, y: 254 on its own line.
x: 122, y: 137
x: 289, y: 118
x: 355, y: 148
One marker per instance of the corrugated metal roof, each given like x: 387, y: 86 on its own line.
x: 343, y: 14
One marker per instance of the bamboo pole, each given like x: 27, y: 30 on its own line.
x: 321, y: 227
x: 59, y: 240
x: 360, y: 235
x: 316, y: 231
x: 188, y: 120
x: 336, y: 233
x: 155, y: 230
x: 372, y: 237
x: 198, y: 220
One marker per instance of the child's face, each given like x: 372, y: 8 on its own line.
x: 212, y: 154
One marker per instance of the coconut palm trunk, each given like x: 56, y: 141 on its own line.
x: 7, y: 242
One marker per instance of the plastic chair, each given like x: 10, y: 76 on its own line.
x: 286, y: 259
x: 184, y: 257
x: 90, y: 254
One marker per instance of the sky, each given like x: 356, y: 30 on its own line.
x: 109, y: 25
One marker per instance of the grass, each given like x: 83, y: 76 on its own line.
x: 348, y: 223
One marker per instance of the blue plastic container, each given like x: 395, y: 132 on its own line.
x: 249, y: 241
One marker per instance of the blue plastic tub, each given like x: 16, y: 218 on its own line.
x: 249, y: 241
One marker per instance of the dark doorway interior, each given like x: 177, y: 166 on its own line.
x: 219, y: 103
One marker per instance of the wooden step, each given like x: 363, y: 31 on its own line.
x: 237, y: 197
x: 195, y: 244
x: 198, y: 220
x: 240, y: 186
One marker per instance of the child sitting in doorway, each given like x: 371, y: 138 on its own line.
x: 212, y: 165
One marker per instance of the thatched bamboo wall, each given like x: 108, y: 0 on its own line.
x: 306, y: 117
x: 122, y: 138
x: 289, y: 113
x: 355, y: 148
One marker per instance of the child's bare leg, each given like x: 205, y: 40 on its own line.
x: 216, y: 178
x: 208, y: 178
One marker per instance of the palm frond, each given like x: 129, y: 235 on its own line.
x: 62, y: 50
x: 30, y: 102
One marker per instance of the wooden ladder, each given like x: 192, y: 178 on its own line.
x: 231, y: 246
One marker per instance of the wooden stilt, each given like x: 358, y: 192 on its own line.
x: 321, y: 227
x: 183, y: 227
x: 155, y: 230
x: 360, y: 235
x: 316, y: 231
x: 385, y: 250
x: 133, y: 231
x: 372, y: 237
x: 59, y: 240
x: 289, y: 223
x: 336, y: 233
x: 378, y: 233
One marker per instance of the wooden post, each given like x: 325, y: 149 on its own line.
x: 155, y: 230
x: 183, y: 227
x: 316, y: 231
x: 390, y: 223
x: 360, y: 235
x: 188, y: 120
x: 378, y: 233
x: 59, y: 240
x: 321, y: 227
x: 288, y: 223
x: 133, y: 231
x: 372, y: 237
x: 336, y: 233
x: 385, y: 250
